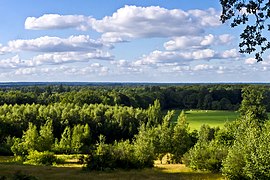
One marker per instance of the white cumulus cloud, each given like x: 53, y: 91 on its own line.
x: 208, y: 18
x: 91, y: 69
x: 231, y: 53
x: 156, y: 57
x: 197, y: 42
x: 133, y: 22
x: 203, y: 54
x: 4, y: 49
x: 250, y: 61
x: 68, y: 57
x: 56, y: 21
x: 154, y: 21
x: 25, y: 71
x: 13, y: 62
x: 226, y: 39
x: 187, y: 42
x: 202, y: 67
x: 56, y: 44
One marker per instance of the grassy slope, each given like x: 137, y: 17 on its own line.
x: 196, y: 118
x: 173, y: 171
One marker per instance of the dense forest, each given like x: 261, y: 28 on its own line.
x: 224, y: 97
x: 130, y: 126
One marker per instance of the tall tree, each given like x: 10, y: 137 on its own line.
x: 79, y: 135
x: 253, y: 104
x: 165, y: 132
x: 181, y: 138
x: 46, y: 136
x: 27, y: 143
x: 248, y: 157
x: 144, y: 148
x: 154, y: 114
x: 30, y: 137
x: 65, y: 142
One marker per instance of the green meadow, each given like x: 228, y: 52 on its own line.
x: 213, y: 118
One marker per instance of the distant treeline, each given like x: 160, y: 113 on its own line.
x: 215, y: 97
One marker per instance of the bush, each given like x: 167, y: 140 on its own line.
x: 41, y: 158
x: 18, y: 148
x: 206, y: 156
x: 101, y: 159
x: 144, y: 147
x: 209, y: 152
x: 123, y: 155
x: 249, y: 157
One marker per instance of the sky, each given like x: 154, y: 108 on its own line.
x: 164, y: 41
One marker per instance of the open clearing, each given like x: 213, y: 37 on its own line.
x: 196, y: 118
x: 73, y: 171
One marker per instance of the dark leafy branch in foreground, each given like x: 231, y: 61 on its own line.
x: 254, y: 16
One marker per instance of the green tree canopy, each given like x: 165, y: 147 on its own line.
x: 252, y: 104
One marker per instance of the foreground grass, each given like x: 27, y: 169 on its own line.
x: 213, y: 118
x: 71, y: 172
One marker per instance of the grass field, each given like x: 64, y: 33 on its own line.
x: 71, y: 172
x: 196, y: 118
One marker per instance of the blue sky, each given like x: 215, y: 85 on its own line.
x: 121, y: 41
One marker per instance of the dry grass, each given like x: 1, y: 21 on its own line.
x: 71, y: 171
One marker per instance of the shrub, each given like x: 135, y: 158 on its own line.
x: 17, y: 148
x: 144, y: 147
x: 41, y: 158
x: 209, y: 152
x: 102, y: 158
x: 249, y: 157
x: 124, y: 155
x: 206, y: 156
x: 121, y: 154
